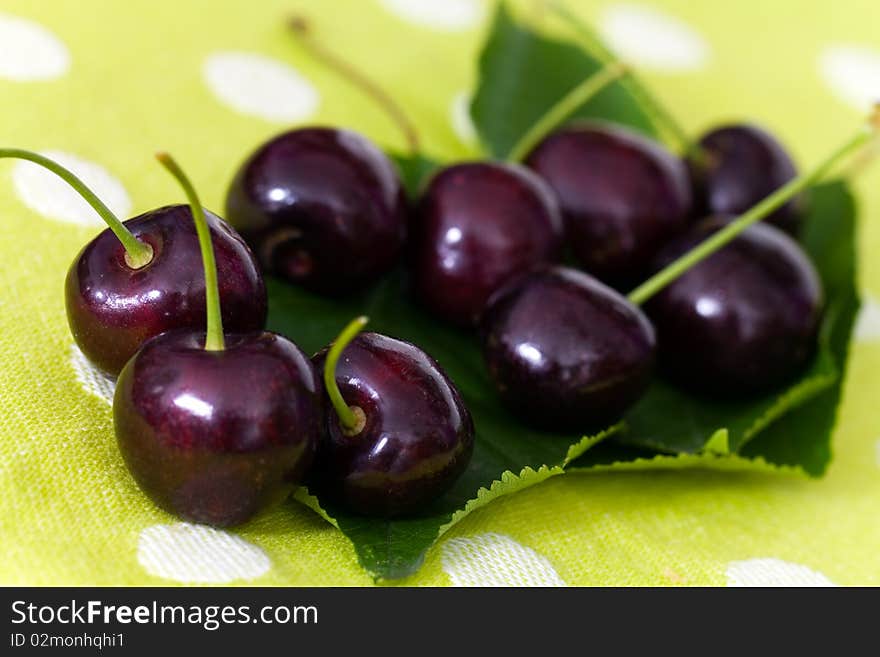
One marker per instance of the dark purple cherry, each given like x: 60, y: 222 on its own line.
x: 741, y: 165
x: 320, y: 207
x: 565, y: 351
x: 113, y: 308
x: 742, y: 321
x: 622, y: 196
x: 215, y: 428
x: 397, y: 435
x: 216, y: 436
x: 479, y: 224
x: 140, y: 278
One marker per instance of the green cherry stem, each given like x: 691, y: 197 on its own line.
x: 351, y: 418
x: 565, y: 107
x: 662, y: 119
x: 214, y: 332
x: 137, y: 254
x: 776, y: 200
x: 302, y: 29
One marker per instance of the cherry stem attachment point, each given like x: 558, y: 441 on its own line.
x: 214, y: 331
x: 351, y: 418
x: 302, y: 29
x: 565, y: 107
x: 138, y: 254
x: 777, y: 199
x: 660, y: 117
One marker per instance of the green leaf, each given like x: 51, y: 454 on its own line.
x: 522, y: 74
x: 507, y: 456
x: 782, y: 429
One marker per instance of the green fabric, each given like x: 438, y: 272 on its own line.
x: 69, y: 512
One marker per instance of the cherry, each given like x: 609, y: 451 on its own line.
x: 113, y: 309
x: 321, y: 207
x: 140, y: 278
x: 478, y: 225
x: 742, y: 321
x: 216, y: 436
x: 741, y: 165
x: 324, y: 207
x: 215, y: 428
x: 565, y: 351
x: 397, y: 435
x: 622, y: 196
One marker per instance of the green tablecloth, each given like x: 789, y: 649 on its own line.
x: 107, y: 83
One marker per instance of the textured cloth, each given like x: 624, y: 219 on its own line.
x: 104, y: 84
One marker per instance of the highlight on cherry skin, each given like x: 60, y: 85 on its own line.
x: 216, y: 427
x: 321, y: 207
x: 397, y: 433
x: 142, y: 277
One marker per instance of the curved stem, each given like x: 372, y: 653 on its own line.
x: 347, y: 417
x: 214, y: 332
x: 138, y: 254
x: 776, y: 200
x: 565, y: 107
x: 660, y: 117
x: 302, y: 30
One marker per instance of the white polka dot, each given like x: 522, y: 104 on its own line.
x: 28, y: 51
x: 868, y: 322
x: 197, y: 554
x: 260, y: 86
x: 45, y: 193
x: 495, y: 560
x: 646, y: 37
x: 773, y: 572
x: 460, y: 113
x: 448, y: 15
x: 92, y: 380
x: 853, y: 74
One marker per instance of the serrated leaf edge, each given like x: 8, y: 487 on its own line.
x: 506, y: 484
x: 708, y: 460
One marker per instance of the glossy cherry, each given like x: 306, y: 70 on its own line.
x: 215, y: 428
x: 320, y: 207
x: 478, y: 225
x: 740, y: 165
x: 216, y: 436
x: 566, y: 351
x: 143, y: 277
x: 622, y: 196
x: 112, y: 308
x: 397, y: 435
x: 742, y: 321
